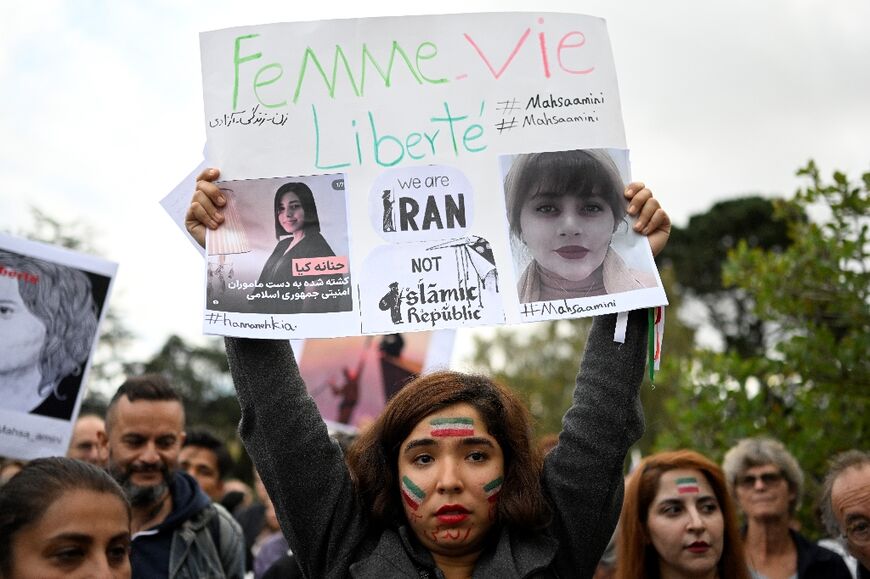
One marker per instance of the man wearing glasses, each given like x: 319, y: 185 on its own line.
x: 846, y: 505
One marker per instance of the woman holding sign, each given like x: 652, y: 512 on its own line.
x: 297, y: 229
x: 447, y: 481
x: 678, y: 521
x: 563, y: 209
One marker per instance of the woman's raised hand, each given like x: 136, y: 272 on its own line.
x: 652, y: 220
x: 204, y: 211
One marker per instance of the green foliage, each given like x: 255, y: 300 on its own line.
x: 540, y: 362
x: 810, y: 387
x: 698, y: 251
x: 201, y: 375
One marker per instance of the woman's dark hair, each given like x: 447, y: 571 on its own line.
x: 373, y: 458
x: 28, y: 494
x: 579, y: 173
x: 306, y: 198
x: 636, y: 556
x: 61, y: 298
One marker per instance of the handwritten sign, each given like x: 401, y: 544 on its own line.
x: 426, y: 143
x: 51, y: 304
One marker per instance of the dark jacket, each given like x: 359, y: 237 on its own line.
x: 277, y: 277
x: 197, y: 539
x: 330, y: 531
x: 816, y: 562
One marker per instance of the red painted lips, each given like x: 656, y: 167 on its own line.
x: 452, y: 514
x: 698, y: 547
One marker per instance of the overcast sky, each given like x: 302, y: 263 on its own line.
x: 101, y: 112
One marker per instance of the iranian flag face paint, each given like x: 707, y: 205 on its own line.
x: 492, y: 489
x: 687, y: 485
x: 452, y: 427
x: 412, y: 494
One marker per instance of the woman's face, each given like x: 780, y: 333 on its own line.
x: 763, y: 493
x: 291, y: 215
x: 685, y: 525
x: 83, y: 533
x: 567, y: 235
x: 22, y: 334
x: 451, y: 471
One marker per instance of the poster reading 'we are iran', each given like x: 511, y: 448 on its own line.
x: 418, y: 173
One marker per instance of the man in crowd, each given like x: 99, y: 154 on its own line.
x: 85, y: 442
x: 205, y: 458
x: 177, y: 530
x: 846, y: 505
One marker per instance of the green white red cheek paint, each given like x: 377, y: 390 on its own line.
x: 412, y: 494
x: 492, y: 489
x: 459, y: 426
x: 688, y: 484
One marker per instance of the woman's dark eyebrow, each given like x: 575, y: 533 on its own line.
x: 419, y: 442
x: 466, y: 441
x: 547, y: 194
x: 477, y: 441
x: 77, y: 537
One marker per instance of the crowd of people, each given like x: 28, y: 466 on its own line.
x: 446, y: 483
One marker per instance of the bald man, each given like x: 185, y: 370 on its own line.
x: 846, y: 505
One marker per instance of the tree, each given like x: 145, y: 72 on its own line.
x: 202, y: 377
x: 540, y: 362
x: 809, y: 388
x: 698, y: 251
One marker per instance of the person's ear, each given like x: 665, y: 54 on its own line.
x: 103, y: 441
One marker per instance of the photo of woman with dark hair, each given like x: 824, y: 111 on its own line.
x: 48, y: 322
x: 564, y: 208
x: 297, y: 229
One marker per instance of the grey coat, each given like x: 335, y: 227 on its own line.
x: 330, y: 532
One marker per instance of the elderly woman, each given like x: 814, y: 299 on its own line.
x: 767, y: 483
x: 48, y: 320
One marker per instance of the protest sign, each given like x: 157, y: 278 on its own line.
x: 51, y: 303
x: 428, y: 166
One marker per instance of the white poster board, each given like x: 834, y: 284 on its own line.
x: 415, y: 128
x: 51, y: 303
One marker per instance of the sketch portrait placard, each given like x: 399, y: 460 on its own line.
x: 51, y: 304
x: 423, y: 119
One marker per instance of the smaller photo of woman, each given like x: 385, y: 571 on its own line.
x: 569, y: 231
x: 282, y: 249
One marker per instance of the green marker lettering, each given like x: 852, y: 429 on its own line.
x: 237, y: 61
x: 258, y: 83
x: 428, y: 56
x: 450, y: 119
x: 317, y: 145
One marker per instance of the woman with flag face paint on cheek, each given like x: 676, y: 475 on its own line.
x: 678, y: 521
x: 451, y: 470
x: 447, y: 482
